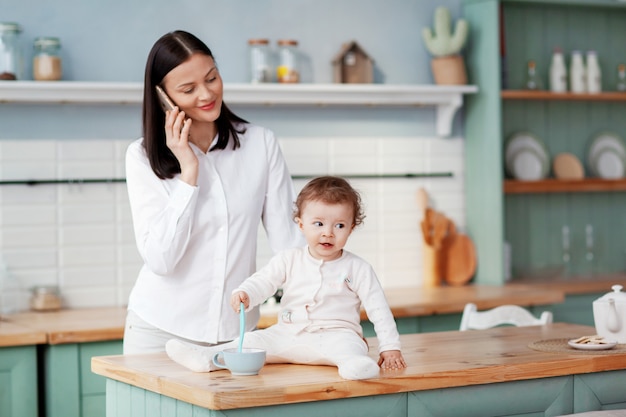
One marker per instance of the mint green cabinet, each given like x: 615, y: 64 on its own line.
x: 577, y: 308
x: 538, y: 397
x: 18, y: 381
x: 72, y: 390
x: 422, y: 324
x: 532, y: 222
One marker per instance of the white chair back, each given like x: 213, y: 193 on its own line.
x: 505, y: 314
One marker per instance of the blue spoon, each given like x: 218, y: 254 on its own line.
x: 242, y: 325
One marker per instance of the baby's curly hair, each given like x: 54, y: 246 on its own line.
x: 331, y: 190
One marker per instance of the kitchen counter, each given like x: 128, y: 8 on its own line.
x: 439, y: 360
x: 577, y: 284
x: 419, y: 301
x: 74, y: 326
x: 107, y: 323
x: 12, y: 334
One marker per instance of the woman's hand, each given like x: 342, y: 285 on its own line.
x: 177, y: 140
x: 238, y: 298
x: 391, y: 359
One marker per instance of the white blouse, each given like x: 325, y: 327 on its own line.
x: 199, y: 243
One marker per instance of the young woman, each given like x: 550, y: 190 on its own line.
x: 200, y: 181
x: 323, y: 289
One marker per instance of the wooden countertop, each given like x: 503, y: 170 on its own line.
x: 12, y: 334
x: 107, y: 323
x: 419, y: 301
x: 577, y: 284
x: 75, y: 326
x: 435, y: 360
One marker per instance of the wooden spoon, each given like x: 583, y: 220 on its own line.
x: 440, y: 229
x: 427, y: 225
x: 422, y: 200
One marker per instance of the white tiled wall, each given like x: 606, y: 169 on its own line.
x: 79, y: 235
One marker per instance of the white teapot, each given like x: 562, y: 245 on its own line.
x: 609, y: 315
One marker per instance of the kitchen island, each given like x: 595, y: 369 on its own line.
x: 483, y: 373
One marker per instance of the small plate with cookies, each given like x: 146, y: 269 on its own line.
x: 594, y: 342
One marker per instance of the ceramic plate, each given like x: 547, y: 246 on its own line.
x: 589, y: 346
x: 522, y: 140
x: 608, y: 163
x: 603, y: 142
x: 527, y: 165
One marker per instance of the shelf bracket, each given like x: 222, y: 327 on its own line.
x: 445, y: 114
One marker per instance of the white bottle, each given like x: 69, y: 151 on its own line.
x: 558, y: 72
x: 594, y: 74
x: 577, y: 73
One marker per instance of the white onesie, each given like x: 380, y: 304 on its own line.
x: 319, y: 320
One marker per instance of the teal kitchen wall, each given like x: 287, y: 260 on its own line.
x: 109, y: 41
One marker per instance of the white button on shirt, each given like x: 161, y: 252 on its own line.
x: 199, y: 243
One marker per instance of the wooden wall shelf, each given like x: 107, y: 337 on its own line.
x: 548, y: 95
x: 587, y: 185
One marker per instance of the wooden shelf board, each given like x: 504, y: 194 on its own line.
x: 548, y: 95
x: 563, y: 186
x: 573, y: 284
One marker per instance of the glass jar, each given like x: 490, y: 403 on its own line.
x: 260, y: 61
x: 46, y: 60
x: 533, y: 82
x: 10, y: 51
x: 45, y: 298
x: 287, y: 70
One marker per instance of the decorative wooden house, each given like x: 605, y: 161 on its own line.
x: 353, y: 65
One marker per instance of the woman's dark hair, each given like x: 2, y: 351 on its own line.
x: 171, y: 50
x: 330, y: 190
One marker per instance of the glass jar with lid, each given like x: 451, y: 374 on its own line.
x: 45, y: 298
x: 288, y: 70
x: 46, y: 60
x: 11, y: 64
x: 260, y: 60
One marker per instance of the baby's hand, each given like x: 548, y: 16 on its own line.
x: 391, y: 359
x: 237, y: 298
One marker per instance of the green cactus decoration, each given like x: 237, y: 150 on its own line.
x: 444, y: 43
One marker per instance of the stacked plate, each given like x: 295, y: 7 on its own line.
x: 526, y: 157
x: 607, y: 156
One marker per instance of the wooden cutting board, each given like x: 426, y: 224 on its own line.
x: 460, y: 262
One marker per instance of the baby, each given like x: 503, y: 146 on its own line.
x: 324, y: 287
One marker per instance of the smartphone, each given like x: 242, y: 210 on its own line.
x: 166, y: 102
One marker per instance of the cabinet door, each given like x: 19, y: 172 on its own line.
x: 537, y: 397
x: 72, y: 390
x: 599, y: 391
x: 18, y: 382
